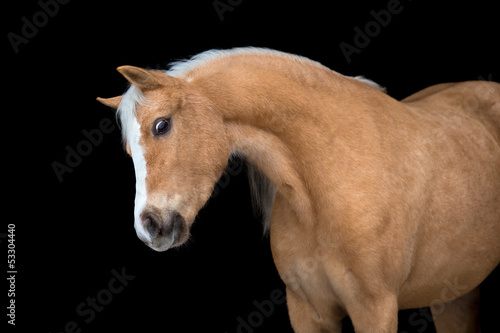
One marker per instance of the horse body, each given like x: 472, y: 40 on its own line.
x: 380, y: 204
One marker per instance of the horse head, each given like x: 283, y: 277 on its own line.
x: 177, y: 142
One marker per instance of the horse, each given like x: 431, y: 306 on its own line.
x: 371, y: 204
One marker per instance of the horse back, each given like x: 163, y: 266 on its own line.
x: 477, y: 99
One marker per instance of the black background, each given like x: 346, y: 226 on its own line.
x: 70, y: 235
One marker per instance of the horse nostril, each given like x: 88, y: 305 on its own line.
x: 179, y: 222
x: 151, y: 225
x: 173, y: 227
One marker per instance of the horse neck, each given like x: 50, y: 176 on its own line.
x: 282, y: 122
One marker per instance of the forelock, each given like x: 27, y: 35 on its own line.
x: 127, y: 110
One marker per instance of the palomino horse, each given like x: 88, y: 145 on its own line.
x: 373, y: 204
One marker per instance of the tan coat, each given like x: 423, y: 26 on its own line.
x: 380, y: 204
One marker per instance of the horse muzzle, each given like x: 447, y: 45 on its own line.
x: 162, y: 232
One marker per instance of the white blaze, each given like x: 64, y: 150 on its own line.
x: 140, y: 179
x: 131, y: 131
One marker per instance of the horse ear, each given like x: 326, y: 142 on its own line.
x: 112, y: 102
x: 139, y: 77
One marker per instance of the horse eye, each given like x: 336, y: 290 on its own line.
x: 161, y: 126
